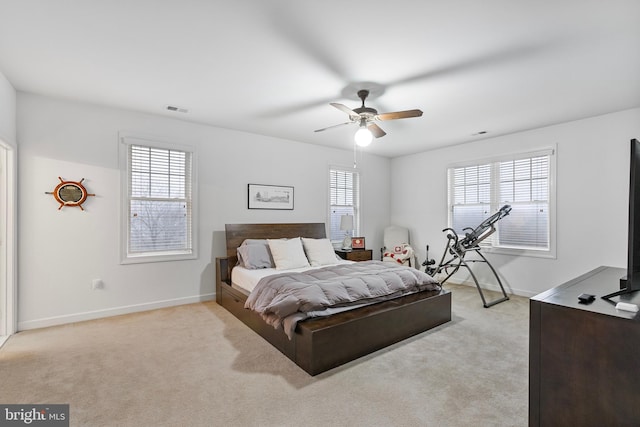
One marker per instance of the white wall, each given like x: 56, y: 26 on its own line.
x: 7, y: 111
x: 592, y: 197
x: 61, y: 251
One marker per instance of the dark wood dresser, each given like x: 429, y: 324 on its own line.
x: 584, y: 359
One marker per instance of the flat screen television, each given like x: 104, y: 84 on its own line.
x: 631, y: 282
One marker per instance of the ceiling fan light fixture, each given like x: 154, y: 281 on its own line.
x: 363, y: 136
x: 366, y: 116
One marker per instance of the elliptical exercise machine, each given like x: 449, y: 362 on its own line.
x: 458, y: 247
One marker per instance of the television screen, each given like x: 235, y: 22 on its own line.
x: 631, y: 282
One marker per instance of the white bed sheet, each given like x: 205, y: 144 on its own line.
x: 245, y: 279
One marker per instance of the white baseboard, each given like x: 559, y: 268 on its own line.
x: 116, y: 311
x: 494, y: 287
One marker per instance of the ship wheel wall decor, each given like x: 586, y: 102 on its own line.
x: 70, y: 193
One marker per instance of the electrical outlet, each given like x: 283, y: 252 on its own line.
x: 97, y: 284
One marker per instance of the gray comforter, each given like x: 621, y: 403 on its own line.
x: 286, y: 298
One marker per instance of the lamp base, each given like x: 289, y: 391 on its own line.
x: 346, y: 243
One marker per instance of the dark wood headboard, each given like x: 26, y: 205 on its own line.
x: 237, y: 233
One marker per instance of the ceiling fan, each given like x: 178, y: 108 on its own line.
x: 365, y: 116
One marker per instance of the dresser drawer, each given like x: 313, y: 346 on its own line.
x: 356, y: 254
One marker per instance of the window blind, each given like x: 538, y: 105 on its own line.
x: 160, y: 201
x: 477, y: 191
x: 524, y: 184
x: 343, y: 195
x: 471, y: 194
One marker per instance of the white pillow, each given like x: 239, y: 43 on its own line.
x: 319, y: 251
x: 288, y: 254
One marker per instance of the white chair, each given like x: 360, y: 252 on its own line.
x: 396, y: 246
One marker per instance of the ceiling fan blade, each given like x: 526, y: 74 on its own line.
x: 399, y: 115
x: 276, y: 112
x: 289, y: 26
x: 484, y: 61
x: 345, y: 109
x: 376, y: 130
x: 331, y: 127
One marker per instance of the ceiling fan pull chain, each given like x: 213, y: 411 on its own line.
x: 355, y: 147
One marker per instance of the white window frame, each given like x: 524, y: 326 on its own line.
x: 357, y: 220
x: 125, y: 141
x: 495, y: 204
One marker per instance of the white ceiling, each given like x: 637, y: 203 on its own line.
x: 272, y: 67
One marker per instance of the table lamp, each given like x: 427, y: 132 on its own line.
x: 346, y: 223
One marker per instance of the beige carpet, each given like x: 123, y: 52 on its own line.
x: 197, y: 365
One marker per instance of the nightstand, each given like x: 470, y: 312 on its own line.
x: 356, y: 254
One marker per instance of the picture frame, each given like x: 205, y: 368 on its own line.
x: 357, y: 243
x: 262, y: 196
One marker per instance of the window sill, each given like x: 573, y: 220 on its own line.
x: 143, y: 259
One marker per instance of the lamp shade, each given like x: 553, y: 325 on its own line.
x: 346, y: 222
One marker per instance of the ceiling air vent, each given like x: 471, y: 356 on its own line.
x: 178, y: 109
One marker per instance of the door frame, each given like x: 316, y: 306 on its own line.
x: 8, y: 235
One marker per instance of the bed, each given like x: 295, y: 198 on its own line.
x: 321, y: 343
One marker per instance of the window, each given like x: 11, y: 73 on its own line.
x: 525, y: 182
x: 159, y: 208
x: 344, y: 186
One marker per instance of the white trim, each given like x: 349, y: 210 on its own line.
x: 492, y: 287
x: 359, y: 217
x: 116, y: 311
x: 551, y: 152
x: 140, y: 259
x: 9, y: 324
x: 550, y: 253
x: 125, y: 139
x: 344, y: 168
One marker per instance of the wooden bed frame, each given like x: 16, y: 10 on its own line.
x: 320, y: 344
